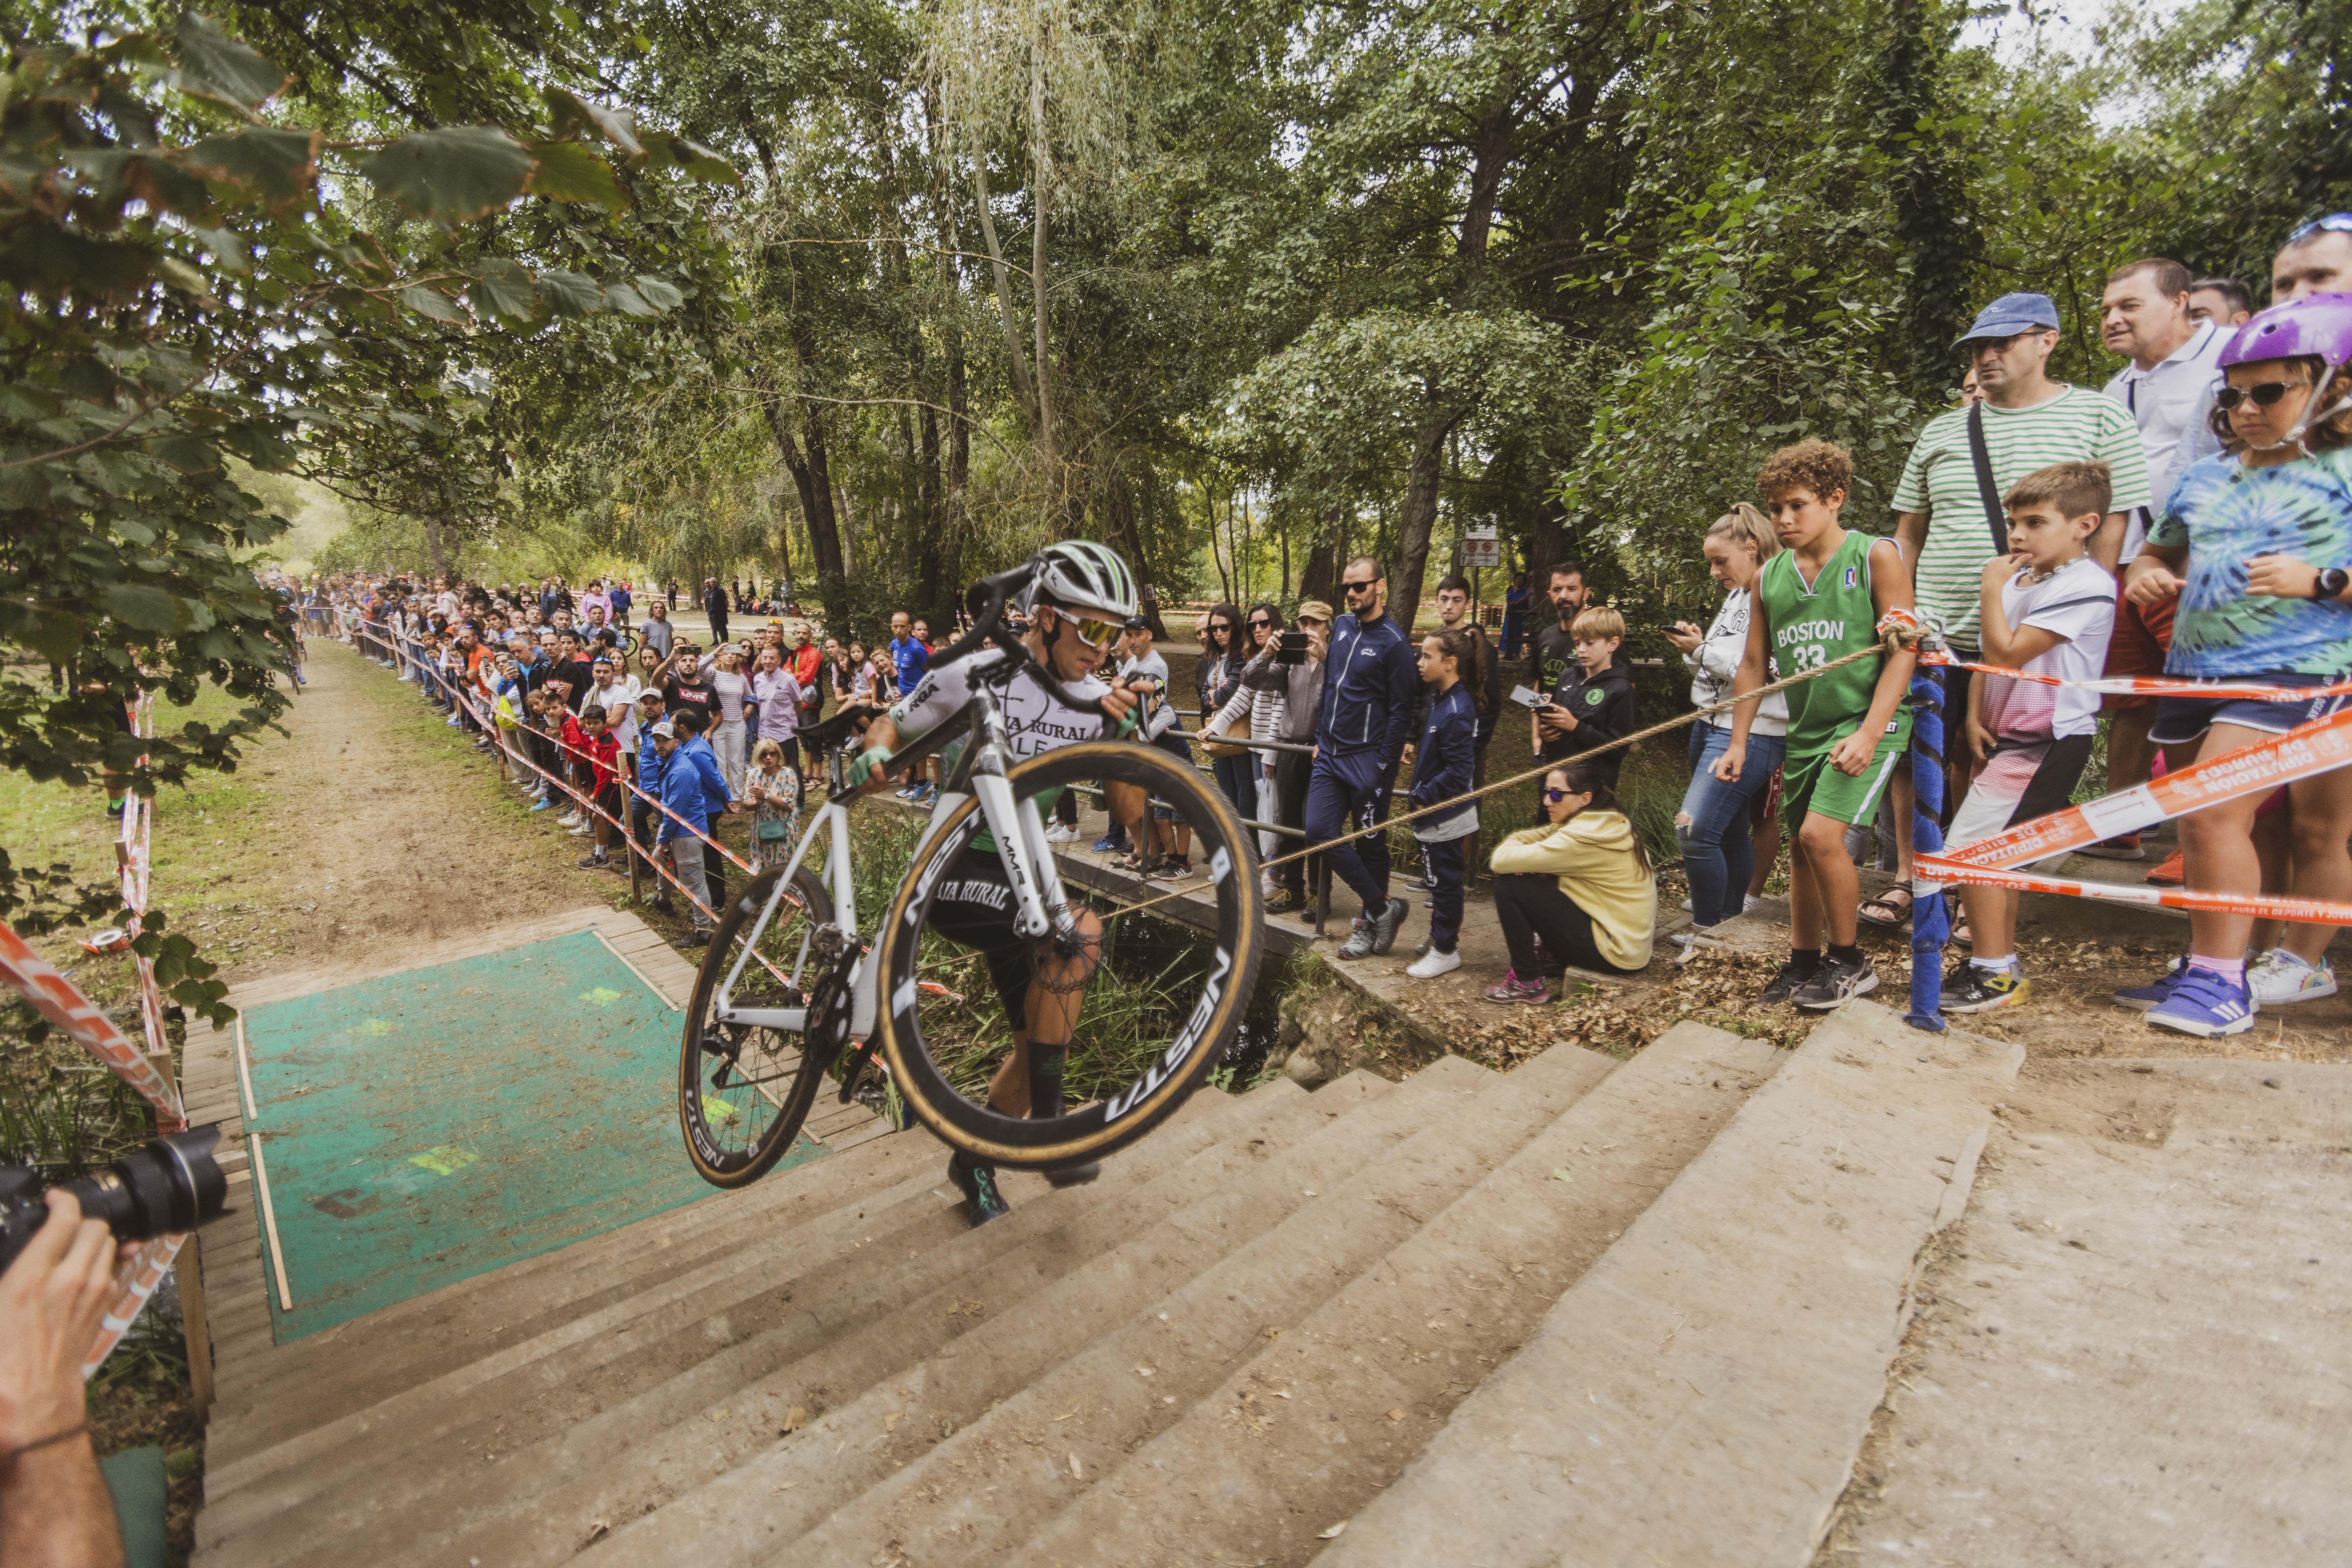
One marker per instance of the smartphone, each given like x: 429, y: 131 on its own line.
x: 1292, y: 648
x: 1527, y: 696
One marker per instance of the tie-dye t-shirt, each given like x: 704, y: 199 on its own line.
x: 2226, y: 514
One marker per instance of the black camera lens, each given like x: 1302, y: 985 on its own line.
x: 172, y: 1184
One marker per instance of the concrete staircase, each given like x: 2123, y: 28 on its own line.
x: 1588, y: 1312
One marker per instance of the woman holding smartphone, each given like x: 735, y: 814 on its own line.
x: 1718, y: 853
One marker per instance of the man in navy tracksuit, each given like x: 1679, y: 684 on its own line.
x: 1369, y: 682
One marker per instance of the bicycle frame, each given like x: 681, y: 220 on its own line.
x: 1041, y: 906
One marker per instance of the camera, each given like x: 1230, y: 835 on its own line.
x: 1292, y: 648
x: 172, y: 1184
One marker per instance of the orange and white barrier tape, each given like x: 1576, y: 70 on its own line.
x: 2153, y: 686
x: 62, y: 1003
x: 2321, y: 746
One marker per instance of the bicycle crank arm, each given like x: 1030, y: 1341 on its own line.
x: 855, y: 1069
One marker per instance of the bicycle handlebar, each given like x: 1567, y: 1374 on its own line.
x: 986, y: 600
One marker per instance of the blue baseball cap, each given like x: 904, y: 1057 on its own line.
x: 2012, y: 314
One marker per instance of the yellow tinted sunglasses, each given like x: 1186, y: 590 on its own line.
x: 1093, y: 633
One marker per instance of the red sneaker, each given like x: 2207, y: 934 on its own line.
x: 2168, y: 873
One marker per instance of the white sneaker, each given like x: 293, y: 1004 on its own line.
x: 1432, y: 963
x: 1061, y: 832
x: 2279, y: 977
x: 583, y: 831
x: 569, y: 819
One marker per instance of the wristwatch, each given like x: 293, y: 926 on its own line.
x: 2331, y: 583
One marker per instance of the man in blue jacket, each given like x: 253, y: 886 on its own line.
x: 694, y: 793
x: 1369, y: 680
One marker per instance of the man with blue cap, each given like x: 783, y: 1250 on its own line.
x: 1950, y: 519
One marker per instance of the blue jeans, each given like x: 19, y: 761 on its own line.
x: 1718, y: 854
x: 1237, y: 776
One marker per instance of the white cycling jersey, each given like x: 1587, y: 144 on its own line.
x: 1035, y: 720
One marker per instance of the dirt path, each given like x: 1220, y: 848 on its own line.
x: 370, y: 824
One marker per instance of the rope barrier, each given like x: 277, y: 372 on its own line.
x: 1892, y: 642
x: 2326, y: 744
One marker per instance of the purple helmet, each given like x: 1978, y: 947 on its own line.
x: 2318, y: 326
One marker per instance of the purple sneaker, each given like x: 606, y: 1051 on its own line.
x: 1514, y: 989
x: 2205, y: 1005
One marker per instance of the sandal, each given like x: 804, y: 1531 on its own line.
x: 1889, y: 912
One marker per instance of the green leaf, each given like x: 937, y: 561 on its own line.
x: 427, y: 302
x: 277, y: 168
x: 660, y: 294
x: 140, y: 606
x: 568, y: 171
x: 216, y: 67
x: 228, y: 246
x: 571, y: 293
x: 183, y: 453
x: 697, y: 162
x: 568, y: 113
x: 451, y: 177
x: 502, y: 292
x: 628, y: 301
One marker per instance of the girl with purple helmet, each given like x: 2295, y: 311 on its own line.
x: 2256, y: 543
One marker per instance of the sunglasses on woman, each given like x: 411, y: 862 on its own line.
x: 2262, y: 396
x: 1260, y: 625
x: 1554, y: 796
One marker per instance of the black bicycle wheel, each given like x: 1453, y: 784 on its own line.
x: 744, y: 1090
x: 1148, y: 1032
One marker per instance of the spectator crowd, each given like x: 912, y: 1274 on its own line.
x: 2190, y: 519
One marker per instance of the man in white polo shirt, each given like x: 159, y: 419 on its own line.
x: 2166, y: 384
x: 1949, y: 516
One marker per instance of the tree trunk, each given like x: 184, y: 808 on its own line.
x: 1017, y: 356
x: 1319, y: 574
x: 1061, y: 516
x: 805, y: 459
x: 1120, y: 504
x: 1419, y: 516
x: 433, y: 546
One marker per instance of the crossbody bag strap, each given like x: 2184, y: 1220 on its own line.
x: 1996, y: 517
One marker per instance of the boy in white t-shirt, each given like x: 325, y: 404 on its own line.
x: 2045, y: 608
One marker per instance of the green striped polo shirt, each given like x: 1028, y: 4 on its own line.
x: 2078, y: 426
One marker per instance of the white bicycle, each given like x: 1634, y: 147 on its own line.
x: 790, y: 982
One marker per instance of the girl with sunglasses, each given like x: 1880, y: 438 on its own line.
x: 1581, y: 880
x: 1217, y: 676
x: 2254, y: 546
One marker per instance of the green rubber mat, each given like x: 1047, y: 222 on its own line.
x: 444, y: 1123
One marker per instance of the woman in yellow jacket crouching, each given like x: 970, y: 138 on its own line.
x: 1581, y: 882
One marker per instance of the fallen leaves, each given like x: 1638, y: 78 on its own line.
x: 794, y: 1419
x: 1332, y: 1533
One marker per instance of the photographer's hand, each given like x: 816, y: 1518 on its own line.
x: 54, y: 1507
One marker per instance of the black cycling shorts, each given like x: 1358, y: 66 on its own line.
x: 971, y: 905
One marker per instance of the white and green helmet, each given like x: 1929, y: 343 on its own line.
x: 1084, y: 577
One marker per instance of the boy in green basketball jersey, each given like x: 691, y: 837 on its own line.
x: 1819, y: 600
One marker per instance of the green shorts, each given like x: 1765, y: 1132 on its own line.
x: 1808, y: 784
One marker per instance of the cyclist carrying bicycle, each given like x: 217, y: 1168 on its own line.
x: 1081, y: 596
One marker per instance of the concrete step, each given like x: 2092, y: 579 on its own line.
x: 1040, y: 1407
x: 1352, y: 1394
x: 730, y: 1269
x: 1698, y: 1396
x: 556, y: 1429
x: 857, y: 1390
x: 357, y: 1363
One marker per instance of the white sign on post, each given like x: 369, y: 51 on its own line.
x: 1480, y: 549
